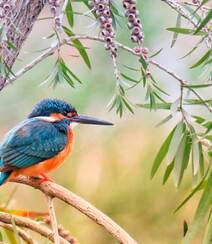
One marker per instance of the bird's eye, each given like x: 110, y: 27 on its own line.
x: 71, y: 114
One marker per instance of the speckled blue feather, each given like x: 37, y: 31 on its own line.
x: 32, y: 141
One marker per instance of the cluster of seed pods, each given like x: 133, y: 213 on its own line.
x: 102, y: 11
x: 134, y: 24
x: 55, y: 9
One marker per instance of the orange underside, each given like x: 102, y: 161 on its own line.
x: 47, y: 165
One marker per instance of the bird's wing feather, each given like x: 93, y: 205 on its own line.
x: 31, y: 142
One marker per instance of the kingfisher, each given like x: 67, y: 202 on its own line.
x: 42, y: 142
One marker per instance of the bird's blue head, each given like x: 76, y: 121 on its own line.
x: 47, y: 107
x: 62, y: 110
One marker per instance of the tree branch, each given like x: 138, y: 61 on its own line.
x: 30, y: 224
x: 17, y: 25
x: 53, y: 190
x: 23, y: 234
x: 53, y: 219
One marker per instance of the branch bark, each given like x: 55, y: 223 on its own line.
x: 17, y: 26
x: 56, y: 191
x: 53, y: 219
x: 30, y: 224
x: 23, y: 234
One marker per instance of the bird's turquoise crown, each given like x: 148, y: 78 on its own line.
x: 49, y: 106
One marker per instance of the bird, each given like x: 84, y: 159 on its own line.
x: 41, y: 142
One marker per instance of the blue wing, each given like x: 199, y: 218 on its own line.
x: 31, y: 142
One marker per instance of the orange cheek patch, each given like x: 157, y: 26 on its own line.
x: 57, y: 116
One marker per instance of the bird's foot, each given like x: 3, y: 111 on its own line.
x: 45, y: 178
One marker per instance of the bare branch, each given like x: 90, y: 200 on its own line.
x: 30, y: 224
x: 23, y: 234
x: 53, y: 190
x: 53, y: 219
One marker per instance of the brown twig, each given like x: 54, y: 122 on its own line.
x: 53, y: 218
x: 23, y: 234
x: 30, y: 224
x: 53, y: 190
x: 51, y: 51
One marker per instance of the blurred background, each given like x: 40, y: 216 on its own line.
x: 109, y: 167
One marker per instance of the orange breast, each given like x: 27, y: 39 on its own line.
x: 47, y: 165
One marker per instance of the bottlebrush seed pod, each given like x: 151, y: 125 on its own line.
x: 102, y: 10
x: 134, y: 22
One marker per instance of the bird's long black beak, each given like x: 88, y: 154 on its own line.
x: 83, y: 119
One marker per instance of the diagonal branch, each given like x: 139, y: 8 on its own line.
x: 53, y: 190
x: 23, y: 234
x: 30, y: 224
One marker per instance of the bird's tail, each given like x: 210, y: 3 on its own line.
x: 3, y: 175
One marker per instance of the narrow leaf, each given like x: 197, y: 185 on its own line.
x: 202, y: 59
x: 168, y: 171
x: 184, y: 31
x: 202, y: 210
x: 175, y: 142
x: 175, y: 35
x: 204, y: 22
x: 162, y: 153
x: 208, y: 233
x: 79, y: 46
x: 196, y: 189
x: 195, y: 155
x: 70, y: 13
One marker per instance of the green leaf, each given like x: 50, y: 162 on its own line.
x: 166, y: 119
x: 185, y: 31
x: 202, y: 209
x: 128, y: 106
x: 129, y: 78
x: 81, y: 49
x: 1, y: 236
x: 204, y: 58
x: 165, y: 106
x: 195, y: 155
x: 168, y: 171
x: 197, y: 85
x: 162, y: 153
x: 196, y: 189
x: 197, y: 102
x: 143, y: 62
x: 201, y: 160
x: 175, y: 35
x: 208, y: 233
x: 67, y: 72
x: 204, y: 22
x: 70, y: 13
x: 191, y: 11
x: 175, y: 142
x: 155, y: 54
x: 182, y: 158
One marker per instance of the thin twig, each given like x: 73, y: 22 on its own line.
x: 53, y: 218
x: 30, y: 224
x: 51, y: 51
x: 176, y: 6
x: 57, y: 191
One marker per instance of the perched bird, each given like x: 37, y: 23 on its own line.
x: 42, y: 142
